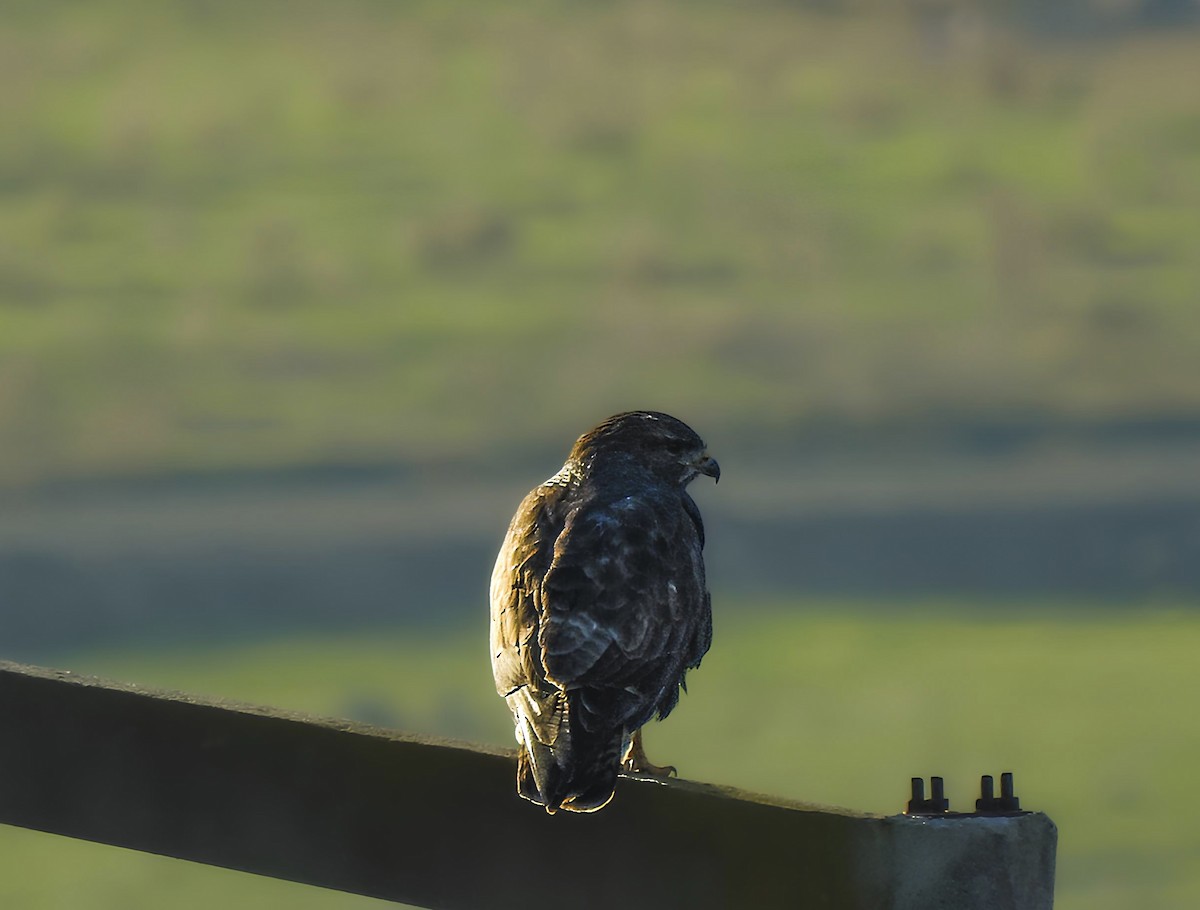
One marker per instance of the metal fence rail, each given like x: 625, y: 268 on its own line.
x: 359, y: 809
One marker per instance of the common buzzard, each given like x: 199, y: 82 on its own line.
x: 600, y: 607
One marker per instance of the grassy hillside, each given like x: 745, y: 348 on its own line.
x: 305, y: 232
x: 829, y: 703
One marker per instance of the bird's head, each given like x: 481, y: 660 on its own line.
x: 649, y: 440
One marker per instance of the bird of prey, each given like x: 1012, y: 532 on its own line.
x: 599, y: 606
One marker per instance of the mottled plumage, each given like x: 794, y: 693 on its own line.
x: 600, y: 606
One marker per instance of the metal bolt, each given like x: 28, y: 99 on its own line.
x: 988, y: 802
x: 937, y: 802
x: 938, y: 796
x: 1006, y: 788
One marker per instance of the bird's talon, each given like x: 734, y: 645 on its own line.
x: 636, y: 761
x: 649, y: 770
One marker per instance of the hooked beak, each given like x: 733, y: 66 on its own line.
x: 708, y: 466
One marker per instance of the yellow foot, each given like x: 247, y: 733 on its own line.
x: 636, y: 762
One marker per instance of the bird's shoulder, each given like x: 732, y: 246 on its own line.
x: 634, y: 520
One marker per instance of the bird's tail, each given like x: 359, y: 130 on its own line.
x: 563, y: 765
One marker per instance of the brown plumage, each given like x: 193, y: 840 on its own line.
x: 600, y: 606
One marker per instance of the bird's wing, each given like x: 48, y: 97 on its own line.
x: 624, y: 602
x: 516, y: 591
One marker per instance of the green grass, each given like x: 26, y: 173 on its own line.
x: 238, y: 237
x: 840, y: 704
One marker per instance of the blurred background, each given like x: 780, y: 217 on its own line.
x: 298, y: 299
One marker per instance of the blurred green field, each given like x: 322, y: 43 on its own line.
x: 237, y: 236
x: 836, y: 703
x: 299, y: 233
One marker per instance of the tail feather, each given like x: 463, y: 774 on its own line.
x: 569, y: 767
